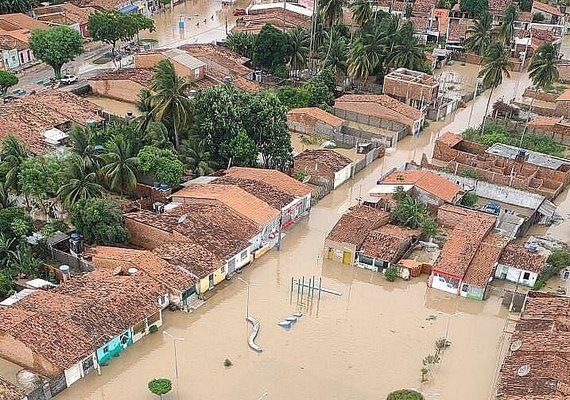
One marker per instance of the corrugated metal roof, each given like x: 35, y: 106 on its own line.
x: 180, y: 56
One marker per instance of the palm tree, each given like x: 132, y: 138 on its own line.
x: 331, y: 10
x: 361, y: 12
x: 121, y: 165
x: 479, y: 35
x: 506, y: 30
x: 299, y: 49
x: 81, y: 183
x: 543, y: 72
x: 5, y: 201
x: 359, y: 65
x: 13, y: 155
x: 194, y: 152
x: 169, y: 99
x: 496, y: 63
x: 336, y: 56
x: 157, y: 135
x: 82, y: 144
x: 144, y: 105
x: 410, y: 212
x: 408, y: 52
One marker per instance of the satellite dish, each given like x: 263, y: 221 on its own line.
x: 516, y: 345
x: 182, y: 218
x: 523, y: 370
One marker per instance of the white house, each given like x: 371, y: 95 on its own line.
x: 519, y: 264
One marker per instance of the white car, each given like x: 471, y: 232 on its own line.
x: 68, y: 79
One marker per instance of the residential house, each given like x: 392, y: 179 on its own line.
x: 146, y: 7
x: 413, y: 88
x: 458, y: 25
x: 281, y: 15
x: 65, y: 14
x: 557, y: 128
x: 537, y: 363
x: 385, y: 246
x: 33, y: 118
x: 314, y: 121
x: 345, y: 239
x: 124, y: 84
x: 469, y: 230
x: 284, y: 183
x: 75, y: 328
x: 14, y: 37
x: 181, y: 283
x: 184, y: 64
x: 323, y: 166
x: 552, y: 15
x: 264, y: 216
x: 380, y: 111
x: 8, y: 391
x: 519, y: 264
x: 425, y: 186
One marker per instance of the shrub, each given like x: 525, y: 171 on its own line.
x: 390, y: 273
x: 406, y: 394
x: 228, y: 363
x: 153, y: 329
x: 160, y: 386
x: 469, y: 199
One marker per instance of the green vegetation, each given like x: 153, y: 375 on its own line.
x: 99, y: 221
x: 228, y: 363
x: 412, y: 214
x: 557, y: 260
x: 390, y: 273
x: 537, y: 17
x: 405, y: 394
x: 469, y: 199
x: 7, y: 80
x: 56, y: 46
x: 160, y: 386
x: 17, y: 6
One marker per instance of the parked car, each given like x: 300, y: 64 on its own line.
x: 9, y: 98
x: 68, y: 79
x: 239, y: 11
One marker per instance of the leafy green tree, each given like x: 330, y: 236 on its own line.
x: 429, y: 227
x: 17, y: 6
x: 538, y: 17
x: 195, y: 153
x: 293, y: 97
x: 331, y: 11
x: 479, y: 35
x: 496, y: 63
x: 559, y: 258
x: 39, y: 179
x: 7, y: 80
x: 170, y: 100
x: 469, y: 199
x: 15, y: 222
x: 163, y: 164
x: 99, y: 221
x: 390, y: 273
x: 13, y: 154
x: 320, y: 92
x: 242, y: 43
x: 121, y: 165
x: 140, y: 22
x: 405, y: 394
x: 49, y: 229
x: 80, y: 182
x: 160, y: 386
x: 56, y: 46
x: 271, y: 47
x: 243, y: 150
x: 474, y: 7
x: 298, y: 49
x: 525, y: 5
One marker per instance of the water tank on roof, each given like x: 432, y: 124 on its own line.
x: 533, y: 247
x: 64, y: 269
x: 228, y: 79
x: 132, y: 271
x: 163, y: 186
x: 75, y: 243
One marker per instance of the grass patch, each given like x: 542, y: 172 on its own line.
x: 102, y: 60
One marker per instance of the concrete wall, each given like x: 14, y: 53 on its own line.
x: 406, y: 90
x: 17, y: 352
x: 372, y: 121
x: 513, y: 274
x: 149, y: 60
x: 122, y: 90
x: 342, y: 176
x: 148, y: 237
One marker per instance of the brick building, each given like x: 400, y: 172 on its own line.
x: 325, y: 167
x: 413, y: 88
x: 124, y: 84
x: 313, y: 120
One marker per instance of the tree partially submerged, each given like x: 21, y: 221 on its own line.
x: 56, y: 46
x: 160, y: 386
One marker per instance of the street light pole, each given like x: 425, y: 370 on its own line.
x: 448, y: 323
x: 175, y: 339
x: 247, y: 301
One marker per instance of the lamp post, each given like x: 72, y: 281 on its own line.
x: 264, y: 395
x: 247, y: 301
x: 448, y: 322
x: 175, y: 339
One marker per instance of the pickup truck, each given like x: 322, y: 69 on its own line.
x: 68, y: 79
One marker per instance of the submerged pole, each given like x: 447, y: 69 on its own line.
x: 320, y: 286
x: 302, y: 285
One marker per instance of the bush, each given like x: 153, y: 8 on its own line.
x: 228, y: 363
x: 390, y: 273
x: 469, y: 199
x: 153, y: 329
x: 99, y: 221
x: 405, y: 394
x: 160, y: 386
x: 538, y: 17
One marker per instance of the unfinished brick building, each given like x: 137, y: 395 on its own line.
x: 414, y: 88
x: 528, y: 171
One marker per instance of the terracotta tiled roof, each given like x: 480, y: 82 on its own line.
x: 330, y: 158
x: 191, y: 256
x: 318, y: 114
x: 237, y: 80
x: 232, y: 196
x: 381, y: 106
x: 218, y: 57
x: 17, y: 21
x: 423, y: 7
x: 420, y: 22
x: 284, y: 20
x: 463, y: 243
x: 547, y: 8
x: 275, y: 198
x: 451, y: 139
x: 165, y: 273
x: 9, y: 41
x: 9, y: 391
x: 65, y: 13
x: 457, y: 29
x: 498, y: 7
x: 483, y: 264
x: 142, y: 76
x: 101, y: 4
x: 545, y: 121
x: 518, y: 256
x: 426, y: 180
x: 542, y: 339
x: 272, y: 177
x: 565, y: 96
x: 384, y: 242
x: 354, y: 225
x: 524, y: 16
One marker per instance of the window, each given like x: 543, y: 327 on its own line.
x: 223, y: 270
x: 243, y: 255
x: 106, y: 349
x: 526, y: 276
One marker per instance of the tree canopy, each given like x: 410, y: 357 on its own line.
x: 56, y: 46
x: 99, y: 221
x: 7, y: 80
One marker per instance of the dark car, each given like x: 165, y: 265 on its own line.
x: 8, y: 99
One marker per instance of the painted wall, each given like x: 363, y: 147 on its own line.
x: 440, y: 281
x: 513, y: 274
x: 114, y: 347
x: 11, y: 59
x: 342, y: 176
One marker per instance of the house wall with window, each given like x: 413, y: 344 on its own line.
x: 512, y: 274
x: 445, y: 282
x: 81, y: 369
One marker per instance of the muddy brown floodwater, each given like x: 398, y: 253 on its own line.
x: 360, y: 345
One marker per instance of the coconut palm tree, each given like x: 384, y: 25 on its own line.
x: 331, y: 10
x: 299, y: 49
x: 195, y: 153
x: 407, y: 52
x: 410, y: 212
x: 336, y: 57
x: 144, y: 105
x: 13, y: 155
x: 496, y: 63
x: 82, y: 144
x: 5, y: 201
x: 81, y: 183
x: 543, y: 71
x: 359, y: 64
x: 479, y: 35
x: 120, y: 169
x: 361, y: 12
x: 157, y: 135
x: 506, y: 30
x: 169, y: 100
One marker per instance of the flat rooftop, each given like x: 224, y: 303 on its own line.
x: 409, y: 75
x: 538, y: 159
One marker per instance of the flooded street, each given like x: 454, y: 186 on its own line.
x: 360, y: 345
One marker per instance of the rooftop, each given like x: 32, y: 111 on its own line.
x: 384, y: 242
x: 272, y: 177
x: 182, y: 57
x: 354, y: 225
x: 451, y: 139
x: 519, y: 257
x: 234, y: 197
x: 457, y: 29
x: 409, y: 75
x: 281, y: 19
x: 218, y: 76
x: 498, y: 7
x: 547, y: 8
x: 9, y: 391
x: 190, y: 256
x: 483, y: 264
x: 142, y: 76
x: 318, y: 114
x: 218, y: 57
x: 329, y: 158
x: 539, y: 367
x: 426, y: 180
x: 13, y: 40
x: 275, y: 198
x: 67, y: 13
x: 259, y: 8
x: 535, y: 158
x: 17, y: 21
x: 381, y: 106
